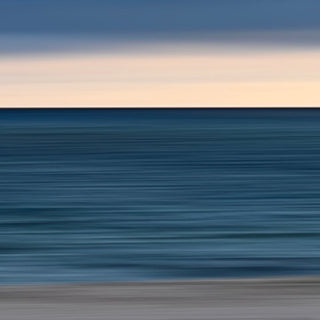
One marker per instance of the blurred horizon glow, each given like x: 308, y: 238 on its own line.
x: 216, y: 74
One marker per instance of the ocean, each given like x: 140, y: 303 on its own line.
x: 149, y: 194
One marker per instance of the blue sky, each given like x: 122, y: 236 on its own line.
x: 159, y: 53
x: 147, y: 17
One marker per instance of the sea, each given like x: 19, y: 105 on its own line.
x: 91, y: 195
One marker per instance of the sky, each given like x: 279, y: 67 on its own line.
x: 212, y: 53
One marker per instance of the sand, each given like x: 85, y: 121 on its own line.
x: 274, y: 298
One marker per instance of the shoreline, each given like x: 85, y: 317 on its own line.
x: 242, y: 298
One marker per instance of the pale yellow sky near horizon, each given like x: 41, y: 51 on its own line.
x: 277, y: 77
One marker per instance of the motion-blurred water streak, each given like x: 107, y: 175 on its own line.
x: 129, y: 194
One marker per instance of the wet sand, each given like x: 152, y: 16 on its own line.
x: 274, y: 298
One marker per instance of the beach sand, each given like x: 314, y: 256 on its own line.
x: 274, y: 298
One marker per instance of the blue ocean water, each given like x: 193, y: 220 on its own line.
x: 131, y: 194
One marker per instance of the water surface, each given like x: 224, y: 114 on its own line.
x: 105, y: 194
